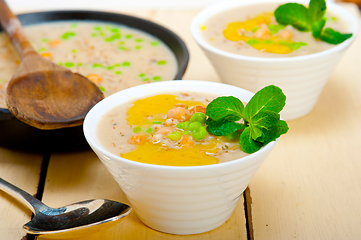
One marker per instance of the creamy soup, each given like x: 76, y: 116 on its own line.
x: 114, y: 57
x: 253, y: 31
x: 165, y: 129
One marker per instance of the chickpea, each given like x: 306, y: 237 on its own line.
x: 179, y: 113
x: 171, y: 121
x: 197, y: 108
x: 165, y: 130
x: 156, y: 138
x: 262, y: 33
x: 285, y: 34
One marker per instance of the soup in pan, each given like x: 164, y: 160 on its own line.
x: 113, y: 56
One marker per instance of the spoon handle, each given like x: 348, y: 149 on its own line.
x: 12, y: 26
x: 31, y: 202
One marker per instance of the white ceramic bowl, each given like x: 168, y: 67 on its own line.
x: 301, y: 78
x: 177, y: 200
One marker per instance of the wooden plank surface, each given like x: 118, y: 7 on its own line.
x: 22, y: 170
x: 308, y: 188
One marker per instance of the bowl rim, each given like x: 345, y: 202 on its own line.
x: 226, y: 5
x: 182, y: 65
x: 91, y: 138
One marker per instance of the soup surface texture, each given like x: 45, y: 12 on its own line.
x: 253, y: 31
x: 114, y: 57
x: 165, y: 129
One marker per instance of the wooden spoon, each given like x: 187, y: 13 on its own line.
x: 41, y: 93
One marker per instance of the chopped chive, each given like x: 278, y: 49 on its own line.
x: 97, y: 28
x: 161, y: 62
x: 138, y: 40
x: 80, y: 64
x: 41, y: 49
x: 149, y: 130
x: 95, y: 65
x: 297, y: 45
x: 101, y: 88
x: 118, y: 72
x: 45, y: 40
x: 115, y: 30
x: 69, y: 64
x: 93, y: 35
x: 274, y: 28
x: 157, y: 78
x: 141, y: 75
x: 154, y: 43
x: 110, y: 68
x: 129, y: 36
x: 157, y: 122
x: 68, y: 35
x: 74, y: 51
x: 60, y: 64
x: 255, y: 29
x: 123, y: 48
x: 138, y: 47
x: 268, y: 42
x: 145, y: 79
x: 137, y: 130
x: 121, y: 42
x: 126, y: 64
x: 112, y: 38
x: 253, y: 41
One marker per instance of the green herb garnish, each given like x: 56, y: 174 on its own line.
x: 311, y: 19
x: 261, y: 118
x: 274, y: 28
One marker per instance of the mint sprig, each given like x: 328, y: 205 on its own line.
x: 311, y: 19
x: 293, y: 14
x: 261, y: 118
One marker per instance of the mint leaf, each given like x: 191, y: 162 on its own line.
x: 265, y: 119
x: 317, y: 28
x: 272, y: 133
x: 316, y: 9
x: 331, y: 36
x: 293, y: 14
x: 255, y: 132
x: 309, y: 19
x: 248, y: 145
x: 270, y: 98
x: 222, y: 127
x: 227, y: 108
x: 261, y: 118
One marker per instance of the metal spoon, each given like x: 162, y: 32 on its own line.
x: 68, y: 221
x: 42, y: 93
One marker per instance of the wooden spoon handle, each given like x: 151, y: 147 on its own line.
x: 13, y: 28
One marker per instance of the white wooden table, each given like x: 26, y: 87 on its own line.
x: 308, y: 188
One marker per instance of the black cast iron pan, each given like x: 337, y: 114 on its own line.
x: 18, y: 135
